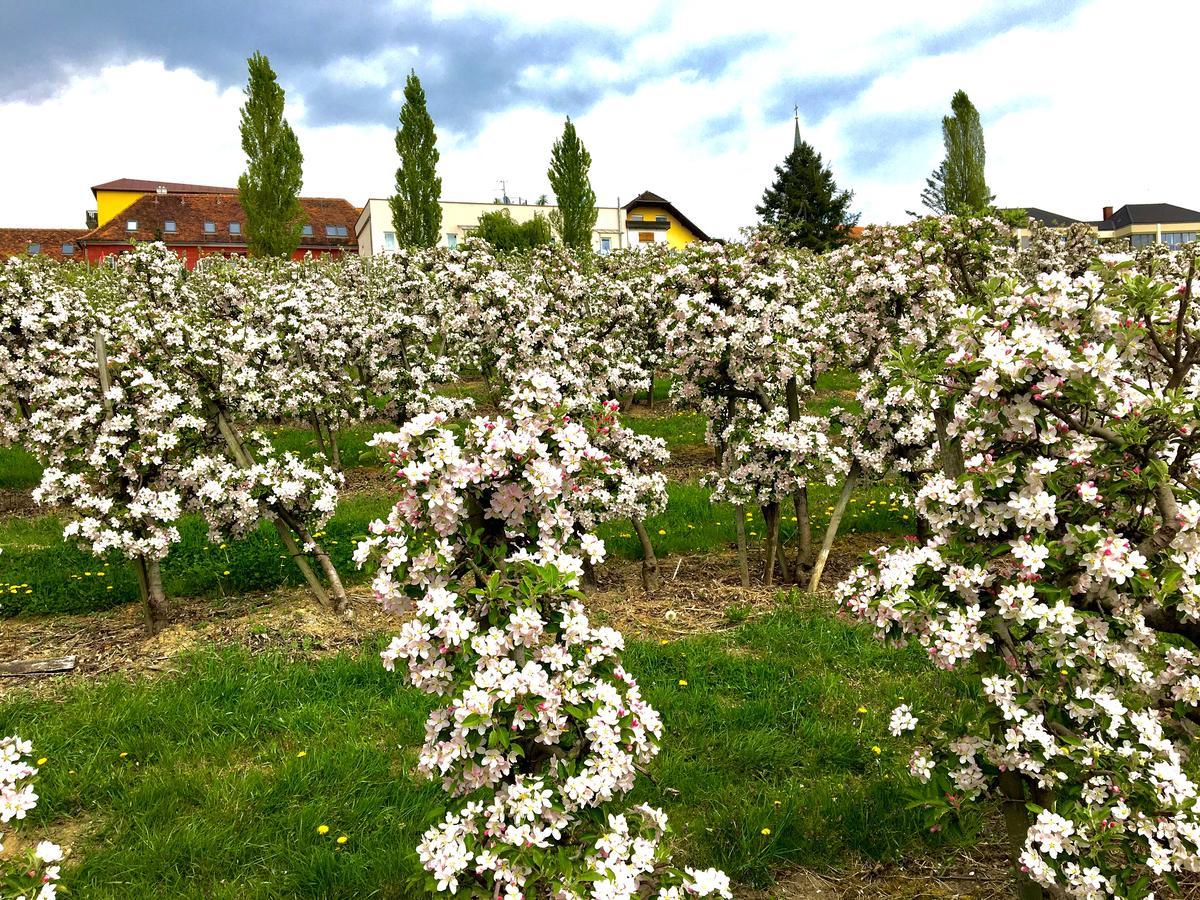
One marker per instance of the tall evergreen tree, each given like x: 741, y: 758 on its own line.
x: 416, y: 210
x: 958, y: 185
x: 269, y: 189
x: 804, y: 203
x: 575, y: 217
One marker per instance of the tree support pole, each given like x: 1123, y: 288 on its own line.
x: 814, y: 581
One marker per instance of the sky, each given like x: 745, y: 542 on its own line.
x: 1084, y: 103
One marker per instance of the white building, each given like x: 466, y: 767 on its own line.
x: 376, y: 234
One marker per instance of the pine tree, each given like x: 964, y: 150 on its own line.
x: 575, y: 217
x: 269, y: 189
x: 804, y: 203
x: 958, y: 185
x: 416, y: 207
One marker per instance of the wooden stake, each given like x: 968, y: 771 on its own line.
x: 814, y: 581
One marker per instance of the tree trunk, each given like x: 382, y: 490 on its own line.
x: 770, y: 542
x: 814, y: 581
x: 314, y: 420
x: 650, y: 579
x: 589, y: 576
x: 155, y: 609
x: 739, y: 514
x: 650, y: 395
x: 1016, y: 823
x: 949, y: 448
x: 284, y: 528
x: 333, y: 447
x: 338, y: 601
x: 301, y: 561
x: 803, y: 531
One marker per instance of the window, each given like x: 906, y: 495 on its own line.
x: 169, y: 226
x: 637, y: 218
x: 645, y: 237
x: 451, y: 240
x: 1141, y: 240
x: 131, y: 225
x: 34, y: 249
x: 660, y: 218
x: 68, y: 249
x: 306, y: 231
x: 605, y: 245
x: 336, y: 231
x: 235, y: 227
x: 1178, y: 238
x: 389, y: 240
x: 210, y: 227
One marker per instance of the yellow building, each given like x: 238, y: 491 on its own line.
x: 1136, y: 224
x: 114, y: 197
x: 651, y: 219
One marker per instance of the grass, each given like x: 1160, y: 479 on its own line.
x: 18, y: 469
x: 679, y: 430
x: 194, y: 787
x: 352, y: 441
x: 42, y: 574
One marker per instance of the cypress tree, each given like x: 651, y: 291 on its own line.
x: 416, y: 210
x: 804, y: 202
x: 958, y: 185
x: 269, y: 189
x: 575, y: 217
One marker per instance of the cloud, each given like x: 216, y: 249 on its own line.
x: 1080, y: 101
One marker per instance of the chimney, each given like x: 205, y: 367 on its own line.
x: 1107, y: 212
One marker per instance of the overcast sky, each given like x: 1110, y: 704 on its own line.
x: 1084, y: 104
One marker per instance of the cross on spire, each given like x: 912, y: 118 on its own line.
x: 796, y: 140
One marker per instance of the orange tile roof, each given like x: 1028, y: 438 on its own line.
x: 189, y: 213
x: 49, y: 241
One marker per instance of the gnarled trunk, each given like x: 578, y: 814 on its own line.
x: 650, y: 579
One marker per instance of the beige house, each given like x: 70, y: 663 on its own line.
x: 459, y: 219
x: 1138, y: 223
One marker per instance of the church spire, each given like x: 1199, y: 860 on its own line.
x: 796, y: 141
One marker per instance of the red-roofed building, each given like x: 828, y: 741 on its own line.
x: 55, y: 243
x: 200, y: 224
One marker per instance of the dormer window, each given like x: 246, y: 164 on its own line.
x: 306, y: 231
x: 34, y: 249
x: 131, y: 225
x: 336, y: 231
x: 660, y: 218
x: 210, y: 227
x: 68, y: 249
x: 637, y: 218
x: 169, y: 226
x: 235, y: 227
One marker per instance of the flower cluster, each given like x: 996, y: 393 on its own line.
x: 34, y: 874
x: 1063, y: 567
x: 542, y: 729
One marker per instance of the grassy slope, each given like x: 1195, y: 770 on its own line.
x: 213, y: 800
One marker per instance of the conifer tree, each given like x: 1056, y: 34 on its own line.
x: 416, y: 206
x: 958, y: 185
x: 804, y: 203
x: 575, y: 217
x: 269, y: 189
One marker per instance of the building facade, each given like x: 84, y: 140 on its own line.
x: 646, y: 219
x: 1138, y: 224
x: 651, y: 219
x: 200, y: 224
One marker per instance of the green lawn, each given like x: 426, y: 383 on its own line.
x: 42, y: 574
x: 194, y: 786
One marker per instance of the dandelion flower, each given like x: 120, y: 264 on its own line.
x: 322, y: 829
x: 876, y: 750
x: 302, y: 754
x: 42, y: 761
x: 862, y: 709
x: 342, y: 839
x: 766, y: 831
x: 683, y: 682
